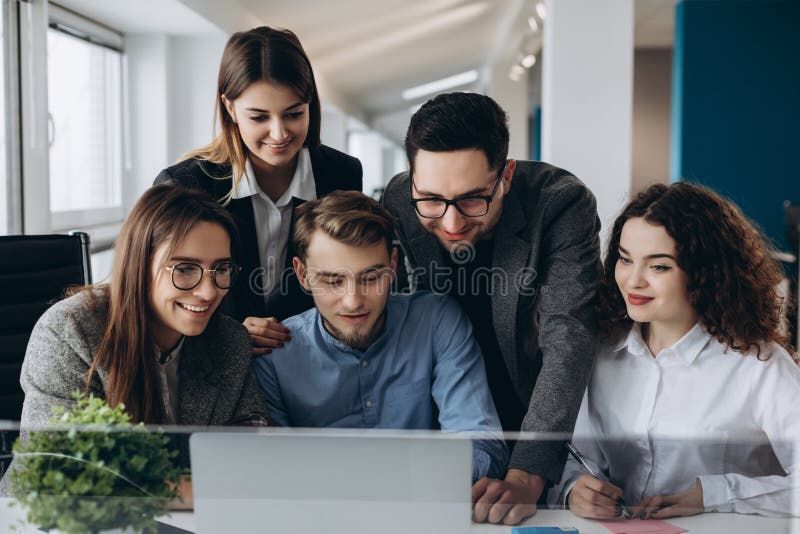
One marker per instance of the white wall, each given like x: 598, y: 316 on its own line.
x: 149, y: 116
x: 587, y: 86
x: 334, y: 127
x: 513, y: 98
x: 368, y: 147
x: 193, y: 65
x: 172, y: 81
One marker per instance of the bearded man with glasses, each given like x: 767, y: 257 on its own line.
x: 516, y: 242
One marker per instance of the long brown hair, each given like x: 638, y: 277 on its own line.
x: 163, y: 215
x: 731, y: 274
x: 260, y: 54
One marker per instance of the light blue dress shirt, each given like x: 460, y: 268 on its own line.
x: 425, y: 359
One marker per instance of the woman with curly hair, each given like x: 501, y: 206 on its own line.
x: 691, y: 406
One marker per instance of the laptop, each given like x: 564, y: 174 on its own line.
x: 313, y: 482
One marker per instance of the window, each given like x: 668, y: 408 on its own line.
x: 6, y: 184
x: 84, y: 82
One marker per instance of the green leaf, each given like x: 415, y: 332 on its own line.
x: 90, y: 490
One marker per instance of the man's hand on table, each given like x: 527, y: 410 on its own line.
x: 509, y: 501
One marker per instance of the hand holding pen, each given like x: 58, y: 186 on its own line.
x: 592, y: 497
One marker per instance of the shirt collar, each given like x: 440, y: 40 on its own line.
x: 684, y: 351
x: 328, y: 337
x: 302, y: 185
x: 164, y: 358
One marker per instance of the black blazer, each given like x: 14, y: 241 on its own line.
x: 333, y: 170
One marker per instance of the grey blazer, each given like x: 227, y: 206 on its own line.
x: 215, y: 380
x: 547, y: 249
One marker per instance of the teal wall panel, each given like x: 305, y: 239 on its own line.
x: 736, y: 103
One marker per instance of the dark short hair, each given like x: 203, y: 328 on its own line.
x: 459, y: 121
x: 350, y: 217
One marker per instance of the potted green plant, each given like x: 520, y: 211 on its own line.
x: 94, y: 471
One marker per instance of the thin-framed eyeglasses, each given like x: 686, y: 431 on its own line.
x: 187, y: 275
x: 468, y: 206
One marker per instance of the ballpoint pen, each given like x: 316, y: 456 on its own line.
x: 575, y: 454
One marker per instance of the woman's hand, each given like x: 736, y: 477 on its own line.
x: 594, y: 498
x: 689, y: 502
x: 266, y: 333
x: 185, y: 498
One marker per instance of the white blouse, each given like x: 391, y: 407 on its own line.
x: 653, y: 426
x: 274, y: 219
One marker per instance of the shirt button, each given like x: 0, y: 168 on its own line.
x: 364, y: 363
x: 369, y: 404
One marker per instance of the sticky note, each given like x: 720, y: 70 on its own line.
x: 642, y: 526
x: 543, y: 530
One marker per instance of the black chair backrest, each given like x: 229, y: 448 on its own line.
x: 34, y: 272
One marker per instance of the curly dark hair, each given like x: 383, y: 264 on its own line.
x: 731, y: 274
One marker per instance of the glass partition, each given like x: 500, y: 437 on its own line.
x: 240, y: 479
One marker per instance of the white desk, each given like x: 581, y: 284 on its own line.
x: 702, y: 524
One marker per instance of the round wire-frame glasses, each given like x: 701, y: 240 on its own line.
x: 187, y: 275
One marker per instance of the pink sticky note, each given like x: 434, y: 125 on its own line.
x: 637, y: 526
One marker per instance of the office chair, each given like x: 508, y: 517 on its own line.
x: 35, y: 271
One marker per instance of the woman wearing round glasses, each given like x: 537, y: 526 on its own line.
x: 151, y: 339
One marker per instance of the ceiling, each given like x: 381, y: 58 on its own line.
x: 125, y: 16
x: 366, y: 52
x: 372, y: 51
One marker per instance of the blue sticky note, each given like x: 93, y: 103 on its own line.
x: 543, y: 530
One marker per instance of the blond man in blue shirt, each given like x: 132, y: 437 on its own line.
x: 364, y: 358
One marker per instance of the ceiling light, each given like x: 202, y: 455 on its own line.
x: 516, y: 72
x: 533, y: 24
x: 440, y: 85
x: 528, y: 61
x: 541, y: 10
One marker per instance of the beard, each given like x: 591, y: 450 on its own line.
x: 358, y: 339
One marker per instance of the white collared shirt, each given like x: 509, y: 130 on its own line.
x: 653, y: 426
x: 274, y: 219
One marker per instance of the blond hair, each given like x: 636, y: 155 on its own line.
x: 349, y: 217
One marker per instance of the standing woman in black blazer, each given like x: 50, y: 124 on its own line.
x: 266, y: 160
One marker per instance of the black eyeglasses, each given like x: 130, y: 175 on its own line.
x: 468, y: 206
x: 187, y: 275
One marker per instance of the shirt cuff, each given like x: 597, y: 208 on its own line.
x: 565, y: 493
x: 716, y: 494
x: 481, y: 461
